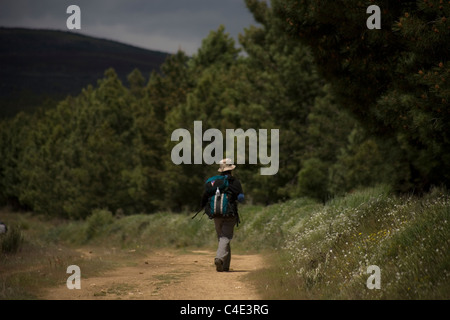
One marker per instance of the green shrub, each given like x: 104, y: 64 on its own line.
x: 313, y: 179
x: 97, y: 222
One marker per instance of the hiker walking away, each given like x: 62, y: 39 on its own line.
x: 222, y: 206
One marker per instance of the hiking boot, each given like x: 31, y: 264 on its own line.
x: 219, y: 264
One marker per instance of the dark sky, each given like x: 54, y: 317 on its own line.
x: 164, y: 25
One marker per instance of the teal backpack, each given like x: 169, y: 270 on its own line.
x: 219, y: 199
x: 218, y: 204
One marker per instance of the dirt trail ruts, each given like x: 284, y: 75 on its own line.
x: 168, y: 276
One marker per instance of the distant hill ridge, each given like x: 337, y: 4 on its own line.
x: 47, y: 65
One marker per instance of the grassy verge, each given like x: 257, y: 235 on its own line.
x: 326, y: 254
x: 314, y: 251
x: 36, y: 255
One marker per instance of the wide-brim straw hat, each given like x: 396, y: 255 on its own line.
x: 226, y: 165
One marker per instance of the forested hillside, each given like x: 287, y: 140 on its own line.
x: 38, y: 68
x: 355, y: 107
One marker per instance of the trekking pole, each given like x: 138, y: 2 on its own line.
x: 197, y: 213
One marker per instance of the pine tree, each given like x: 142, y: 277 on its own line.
x: 282, y: 87
x: 393, y: 80
x: 212, y: 73
x: 14, y: 141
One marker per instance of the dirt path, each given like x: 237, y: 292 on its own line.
x: 168, y: 276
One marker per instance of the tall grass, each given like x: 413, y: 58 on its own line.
x: 326, y: 255
x: 12, y: 241
x: 36, y: 253
x: 315, y: 251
